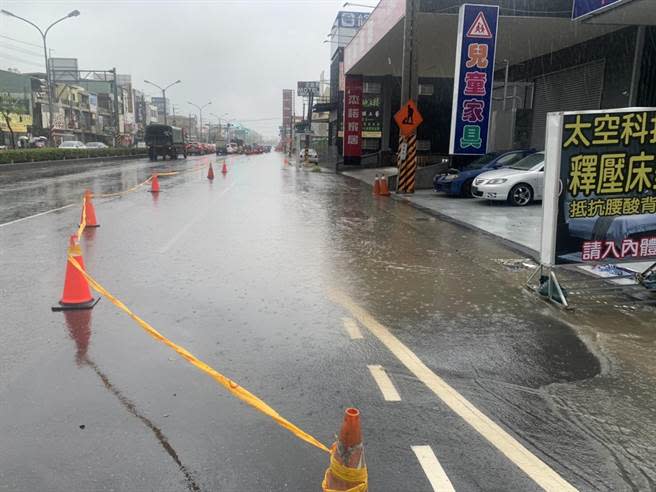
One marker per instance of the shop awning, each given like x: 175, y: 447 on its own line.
x: 519, y: 39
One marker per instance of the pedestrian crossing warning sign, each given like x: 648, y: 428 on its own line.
x: 408, y: 118
x: 480, y: 28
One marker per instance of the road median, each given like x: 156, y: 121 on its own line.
x: 26, y: 158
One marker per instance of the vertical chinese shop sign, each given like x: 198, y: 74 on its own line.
x: 600, y: 187
x: 474, y: 75
x: 353, y: 116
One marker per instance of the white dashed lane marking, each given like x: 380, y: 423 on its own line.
x: 433, y: 470
x: 385, y: 384
x: 352, y: 328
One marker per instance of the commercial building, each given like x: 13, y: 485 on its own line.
x: 545, y: 61
x: 15, y: 107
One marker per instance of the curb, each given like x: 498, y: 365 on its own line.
x: 82, y: 160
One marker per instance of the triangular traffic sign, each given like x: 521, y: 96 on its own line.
x: 408, y: 118
x: 480, y: 28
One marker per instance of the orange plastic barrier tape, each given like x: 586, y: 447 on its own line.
x: 241, y: 393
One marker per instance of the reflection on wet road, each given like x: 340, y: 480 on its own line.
x: 239, y: 271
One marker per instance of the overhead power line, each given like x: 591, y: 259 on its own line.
x: 7, y: 56
x: 21, y: 50
x: 21, y: 41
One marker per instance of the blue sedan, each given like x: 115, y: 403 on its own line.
x: 459, y: 183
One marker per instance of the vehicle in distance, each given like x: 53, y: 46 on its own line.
x: 459, y: 182
x: 96, y: 145
x: 72, y: 144
x: 232, y: 148
x: 165, y: 140
x: 519, y: 184
x: 312, y: 156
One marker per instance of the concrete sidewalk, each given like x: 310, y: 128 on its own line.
x: 517, y: 225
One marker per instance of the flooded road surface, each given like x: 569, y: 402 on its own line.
x: 309, y: 292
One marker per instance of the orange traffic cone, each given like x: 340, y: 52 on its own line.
x: 224, y: 169
x: 286, y: 161
x: 76, y: 293
x: 89, y: 211
x: 154, y: 184
x: 384, y: 188
x: 348, y: 470
x: 210, y: 172
x: 376, y: 190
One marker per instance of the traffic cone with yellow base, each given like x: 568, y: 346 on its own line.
x: 154, y: 184
x: 376, y: 190
x: 89, y: 211
x: 384, y: 188
x: 348, y: 470
x: 76, y: 294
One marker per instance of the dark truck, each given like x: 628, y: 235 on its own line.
x: 165, y: 140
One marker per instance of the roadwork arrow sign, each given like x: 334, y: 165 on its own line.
x: 408, y: 118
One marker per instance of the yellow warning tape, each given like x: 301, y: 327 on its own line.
x: 118, y: 193
x: 83, y: 222
x: 238, y: 391
x: 182, y: 171
x: 358, y: 476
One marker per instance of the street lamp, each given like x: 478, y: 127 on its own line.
x: 200, y: 110
x: 163, y: 89
x: 74, y: 13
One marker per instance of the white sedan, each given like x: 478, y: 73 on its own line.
x: 312, y: 156
x: 519, y: 184
x: 72, y: 144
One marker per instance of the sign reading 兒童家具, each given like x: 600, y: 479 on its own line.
x: 474, y: 75
x: 583, y: 9
x: 600, y: 186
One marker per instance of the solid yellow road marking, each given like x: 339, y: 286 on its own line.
x: 385, y: 384
x: 433, y: 470
x: 352, y: 328
x: 534, y: 467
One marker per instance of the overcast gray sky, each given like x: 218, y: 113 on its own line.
x: 239, y: 54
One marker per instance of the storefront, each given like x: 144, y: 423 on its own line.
x: 545, y: 61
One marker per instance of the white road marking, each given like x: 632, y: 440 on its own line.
x: 352, y: 328
x: 533, y: 466
x: 385, y: 384
x: 189, y: 224
x: 433, y: 470
x: 38, y: 215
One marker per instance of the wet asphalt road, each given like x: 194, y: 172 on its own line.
x: 240, y: 271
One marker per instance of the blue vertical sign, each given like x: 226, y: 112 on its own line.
x: 474, y: 75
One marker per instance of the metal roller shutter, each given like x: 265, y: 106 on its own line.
x: 575, y: 89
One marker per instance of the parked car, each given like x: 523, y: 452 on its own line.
x: 459, y: 182
x: 96, y: 145
x: 194, y: 148
x: 72, y: 144
x: 232, y: 148
x: 312, y: 156
x: 519, y: 184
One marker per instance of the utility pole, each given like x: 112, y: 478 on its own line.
x: 115, y: 93
x: 308, y: 129
x: 407, y: 160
